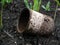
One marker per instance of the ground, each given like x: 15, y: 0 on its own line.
x: 9, y: 35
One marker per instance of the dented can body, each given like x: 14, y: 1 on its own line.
x: 35, y: 22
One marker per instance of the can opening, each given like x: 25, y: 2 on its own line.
x: 23, y: 19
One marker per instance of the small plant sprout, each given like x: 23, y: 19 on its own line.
x: 26, y: 3
x: 31, y: 5
x: 5, y: 1
x: 34, y: 6
x: 1, y: 11
x: 58, y: 4
x: 47, y: 7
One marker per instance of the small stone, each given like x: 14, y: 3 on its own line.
x: 20, y: 37
x: 28, y: 44
x: 39, y: 44
x: 15, y: 42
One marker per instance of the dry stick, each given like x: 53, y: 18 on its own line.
x: 9, y: 34
x: 11, y: 37
x: 55, y: 12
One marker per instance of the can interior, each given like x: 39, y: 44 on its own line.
x: 23, y: 19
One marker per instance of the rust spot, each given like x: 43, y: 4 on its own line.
x: 46, y: 19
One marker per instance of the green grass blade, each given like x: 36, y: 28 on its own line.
x: 58, y: 2
x: 43, y: 7
x: 36, y: 5
x: 1, y: 17
x: 8, y: 1
x: 31, y: 6
x: 48, y: 6
x: 26, y: 3
x: 3, y: 2
x: 0, y: 21
x: 40, y: 1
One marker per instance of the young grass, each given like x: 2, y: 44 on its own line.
x: 26, y: 3
x: 1, y: 11
x: 58, y: 2
x: 36, y: 5
x: 47, y: 7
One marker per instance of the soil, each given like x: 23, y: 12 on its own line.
x: 9, y: 35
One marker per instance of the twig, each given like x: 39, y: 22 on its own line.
x: 55, y: 12
x: 8, y: 34
x: 11, y: 37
